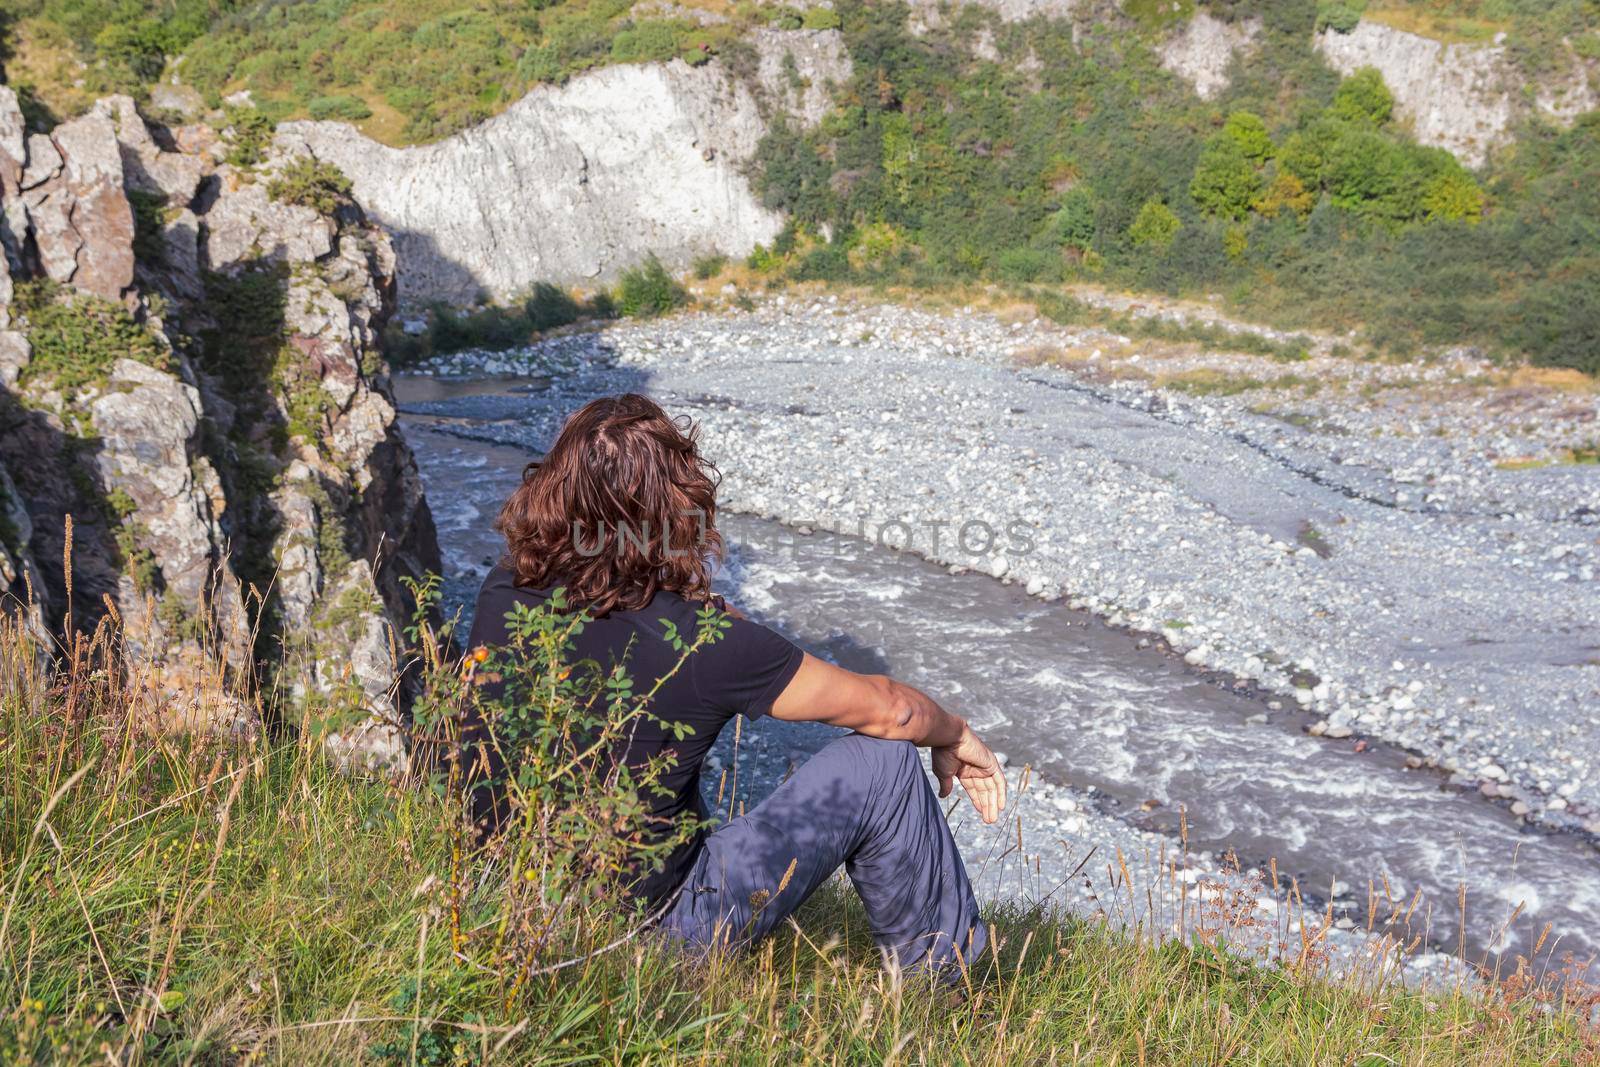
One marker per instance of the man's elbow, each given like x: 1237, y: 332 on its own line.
x: 898, y: 711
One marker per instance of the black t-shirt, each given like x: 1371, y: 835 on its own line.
x: 741, y: 673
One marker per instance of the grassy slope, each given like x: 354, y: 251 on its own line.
x: 168, y: 902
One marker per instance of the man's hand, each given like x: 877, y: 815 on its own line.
x: 970, y: 760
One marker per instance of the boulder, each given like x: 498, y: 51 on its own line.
x: 245, y: 225
x: 81, y: 219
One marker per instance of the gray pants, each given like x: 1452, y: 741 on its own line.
x: 862, y: 802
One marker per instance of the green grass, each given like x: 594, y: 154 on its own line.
x: 167, y: 900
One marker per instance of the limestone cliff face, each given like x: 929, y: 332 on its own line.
x: 230, y: 459
x: 1461, y: 97
x: 1201, y: 51
x: 575, y: 183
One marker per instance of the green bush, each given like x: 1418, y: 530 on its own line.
x: 149, y: 219
x: 648, y: 290
x: 310, y: 182
x: 602, y: 305
x: 492, y: 328
x: 821, y: 18
x: 548, y: 306
x: 1073, y: 224
x: 1155, y: 225
x: 825, y: 263
x: 1363, y: 98
x: 1340, y: 16
x: 249, y: 133
x: 648, y: 42
x: 1225, y: 183
x: 709, y: 265
x: 1246, y: 131
x: 348, y: 108
x: 1021, y: 265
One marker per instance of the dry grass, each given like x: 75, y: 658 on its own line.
x: 1553, y: 379
x: 1425, y: 20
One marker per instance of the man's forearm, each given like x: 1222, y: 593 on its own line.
x: 918, y: 718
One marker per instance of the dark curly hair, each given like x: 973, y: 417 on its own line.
x: 623, y: 505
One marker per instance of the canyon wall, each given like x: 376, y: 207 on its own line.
x: 189, y: 332
x: 574, y: 183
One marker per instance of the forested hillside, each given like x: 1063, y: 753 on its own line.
x: 968, y: 147
x: 1295, y: 194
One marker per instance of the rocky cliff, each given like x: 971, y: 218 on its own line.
x: 192, y: 379
x: 576, y: 182
x: 1462, y: 97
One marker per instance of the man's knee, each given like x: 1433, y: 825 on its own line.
x: 896, y: 761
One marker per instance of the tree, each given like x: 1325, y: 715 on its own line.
x: 1245, y: 129
x: 1155, y: 225
x: 1285, y: 193
x: 1363, y: 98
x: 1306, y: 152
x: 1073, y: 224
x: 1225, y: 182
x: 1453, y: 195
x: 1366, y: 174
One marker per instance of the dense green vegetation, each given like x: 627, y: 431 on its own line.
x: 497, y: 326
x: 1295, y: 195
x: 233, y: 900
x: 77, y: 339
x: 642, y: 291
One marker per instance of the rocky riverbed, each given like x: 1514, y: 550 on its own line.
x: 1399, y: 555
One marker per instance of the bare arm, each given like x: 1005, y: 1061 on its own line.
x: 879, y: 706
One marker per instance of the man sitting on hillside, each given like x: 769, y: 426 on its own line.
x: 622, y: 467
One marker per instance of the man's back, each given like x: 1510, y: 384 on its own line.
x: 742, y: 672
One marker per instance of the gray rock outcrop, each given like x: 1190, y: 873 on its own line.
x: 575, y: 183
x: 231, y: 463
x: 1457, y: 96
x: 1202, y: 50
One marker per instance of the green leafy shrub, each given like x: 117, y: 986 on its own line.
x: 648, y: 290
x: 1453, y: 195
x: 709, y: 265
x: 1363, y: 98
x: 310, y: 182
x: 824, y: 263
x: 1022, y: 265
x: 349, y: 108
x: 78, y: 338
x: 548, y: 306
x: 1340, y: 16
x: 249, y: 132
x: 1225, y: 183
x: 1073, y: 224
x: 650, y: 41
x: 149, y: 218
x: 821, y: 18
x: 1155, y: 225
x: 1246, y: 131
